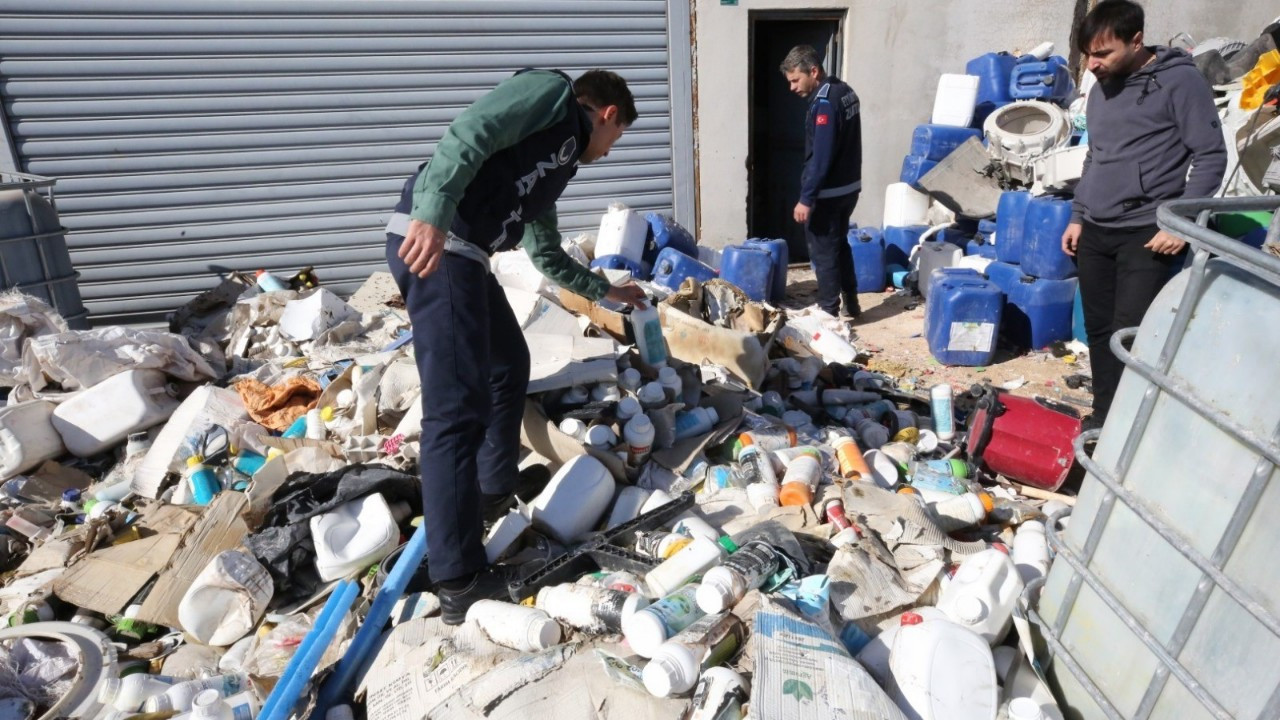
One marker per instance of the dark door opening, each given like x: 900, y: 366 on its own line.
x: 776, y: 155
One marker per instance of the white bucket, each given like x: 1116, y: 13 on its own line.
x: 353, y: 536
x: 572, y: 503
x: 27, y: 437
x: 904, y: 205
x: 622, y: 232
x: 982, y: 594
x: 957, y: 96
x: 96, y: 419
x: 941, y: 671
x: 227, y: 599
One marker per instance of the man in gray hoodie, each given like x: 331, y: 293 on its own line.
x: 1151, y: 117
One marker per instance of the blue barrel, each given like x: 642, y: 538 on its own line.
x: 777, y: 248
x: 1038, y: 312
x: 751, y: 269
x: 963, y: 316
x: 665, y: 232
x: 1049, y: 80
x: 673, y: 266
x: 1011, y: 215
x: 867, y: 246
x: 994, y: 71
x: 915, y: 167
x: 900, y: 241
x: 1077, y: 319
x: 1042, y: 256
x: 621, y: 262
x: 935, y: 142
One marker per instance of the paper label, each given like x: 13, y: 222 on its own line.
x: 971, y: 337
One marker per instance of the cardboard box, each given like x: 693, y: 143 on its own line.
x: 541, y: 435
x: 743, y: 349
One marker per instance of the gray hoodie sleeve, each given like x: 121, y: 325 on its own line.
x: 1077, y: 208
x: 1191, y: 102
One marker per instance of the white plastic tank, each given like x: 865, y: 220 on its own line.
x: 941, y: 671
x: 935, y: 255
x: 27, y: 437
x: 572, y: 503
x: 982, y: 594
x: 227, y: 599
x: 353, y: 536
x: 955, y: 100
x: 904, y: 206
x: 98, y: 418
x: 1196, y: 478
x: 622, y: 232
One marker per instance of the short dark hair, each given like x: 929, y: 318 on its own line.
x: 601, y: 88
x: 803, y: 58
x: 1122, y: 19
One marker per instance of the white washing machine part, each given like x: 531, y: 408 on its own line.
x: 1023, y: 131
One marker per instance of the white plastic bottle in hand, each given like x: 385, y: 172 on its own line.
x: 646, y: 325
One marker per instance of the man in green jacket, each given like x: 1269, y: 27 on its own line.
x: 491, y: 185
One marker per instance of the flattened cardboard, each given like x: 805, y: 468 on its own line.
x: 107, y: 579
x: 221, y: 527
x: 561, y: 361
x: 540, y: 434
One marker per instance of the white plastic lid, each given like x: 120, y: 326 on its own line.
x: 630, y: 376
x: 652, y: 391
x: 711, y: 413
x: 1025, y: 709
x: 158, y: 703
x: 628, y: 406
x: 600, y: 435
x: 660, y: 676
x: 969, y: 610
x: 109, y: 690
x: 542, y: 633
x: 640, y: 423
x: 206, y: 704
x: 716, y: 591
x: 668, y: 375
x: 644, y: 632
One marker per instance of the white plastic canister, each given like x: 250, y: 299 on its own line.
x: 572, y: 503
x: 955, y: 101
x: 982, y: 594
x: 353, y: 536
x: 94, y: 420
x: 622, y: 232
x: 904, y: 206
x: 27, y: 437
x: 227, y: 599
x: 941, y: 671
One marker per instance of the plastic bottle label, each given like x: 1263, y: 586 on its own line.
x: 655, y: 345
x: 753, y: 562
x: 676, y: 612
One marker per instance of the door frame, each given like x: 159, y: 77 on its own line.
x: 835, y: 55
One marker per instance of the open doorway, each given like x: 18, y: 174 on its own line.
x: 776, y: 119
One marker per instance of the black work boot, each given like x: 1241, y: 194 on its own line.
x: 851, y: 307
x: 488, y: 584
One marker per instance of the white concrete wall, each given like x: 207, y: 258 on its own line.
x: 894, y: 51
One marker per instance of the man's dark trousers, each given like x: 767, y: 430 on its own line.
x: 474, y: 367
x: 1118, y: 280
x: 827, y: 234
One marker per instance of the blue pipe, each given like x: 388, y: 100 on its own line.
x: 279, y: 704
x: 339, y: 683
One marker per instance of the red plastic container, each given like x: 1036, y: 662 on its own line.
x: 1023, y: 439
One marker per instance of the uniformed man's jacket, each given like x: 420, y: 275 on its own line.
x: 832, y: 143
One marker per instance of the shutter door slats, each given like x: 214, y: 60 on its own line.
x: 191, y: 139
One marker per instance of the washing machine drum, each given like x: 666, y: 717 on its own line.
x: 1020, y: 132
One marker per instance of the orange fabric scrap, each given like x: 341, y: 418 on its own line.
x: 275, y: 407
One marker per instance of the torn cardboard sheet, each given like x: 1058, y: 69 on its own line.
x: 221, y: 527
x: 541, y: 435
x: 205, y: 408
x: 561, y: 361
x: 106, y: 580
x: 46, y: 483
x: 206, y: 314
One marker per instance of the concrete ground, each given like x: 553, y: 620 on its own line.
x: 890, y: 331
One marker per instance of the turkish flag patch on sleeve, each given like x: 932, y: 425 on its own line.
x: 822, y: 120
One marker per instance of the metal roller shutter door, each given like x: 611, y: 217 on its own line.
x: 193, y: 138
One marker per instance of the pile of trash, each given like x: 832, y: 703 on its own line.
x: 723, y: 513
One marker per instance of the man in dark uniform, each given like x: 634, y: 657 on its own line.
x: 491, y: 184
x: 832, y: 177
